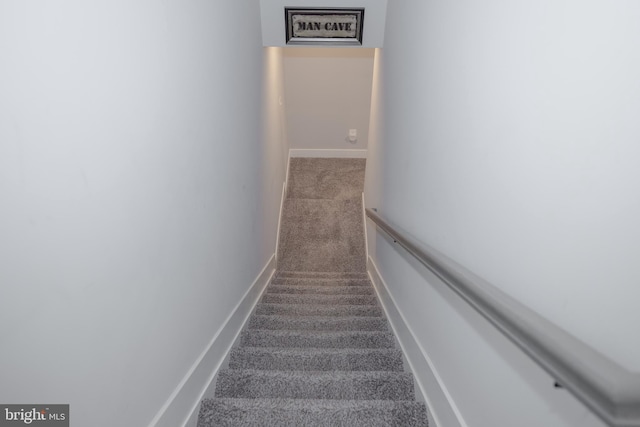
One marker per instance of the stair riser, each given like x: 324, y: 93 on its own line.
x: 258, y: 385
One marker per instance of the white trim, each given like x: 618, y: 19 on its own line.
x: 442, y: 408
x: 184, y: 402
x: 346, y: 153
x: 364, y: 225
x: 286, y: 177
x: 193, y: 419
x: 284, y: 194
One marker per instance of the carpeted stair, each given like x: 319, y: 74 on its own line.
x: 317, y: 351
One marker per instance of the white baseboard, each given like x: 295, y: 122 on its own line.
x: 346, y: 153
x: 286, y: 176
x: 282, y: 198
x: 364, y: 226
x: 182, y: 407
x: 443, y: 411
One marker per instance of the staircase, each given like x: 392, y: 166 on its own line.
x: 317, y: 351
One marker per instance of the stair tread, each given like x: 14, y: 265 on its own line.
x: 316, y: 333
x: 311, y: 339
x: 318, y: 323
x: 322, y: 375
x: 320, y: 350
x: 319, y: 309
x: 321, y: 274
x: 327, y: 282
x: 311, y: 412
x: 254, y: 383
x: 324, y: 290
x: 319, y: 299
x: 316, y: 359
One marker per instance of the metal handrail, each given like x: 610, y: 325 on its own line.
x: 608, y: 389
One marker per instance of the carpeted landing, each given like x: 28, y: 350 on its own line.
x: 322, y: 227
x: 317, y: 351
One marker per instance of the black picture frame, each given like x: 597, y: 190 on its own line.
x: 324, y: 26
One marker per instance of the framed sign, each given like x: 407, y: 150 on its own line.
x: 324, y: 26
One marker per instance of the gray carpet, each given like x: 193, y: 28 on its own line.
x: 328, y: 179
x: 317, y: 351
x: 322, y: 225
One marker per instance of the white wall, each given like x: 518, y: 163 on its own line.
x: 136, y: 204
x: 328, y: 92
x: 510, y: 143
x: 373, y: 171
x: 275, y: 147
